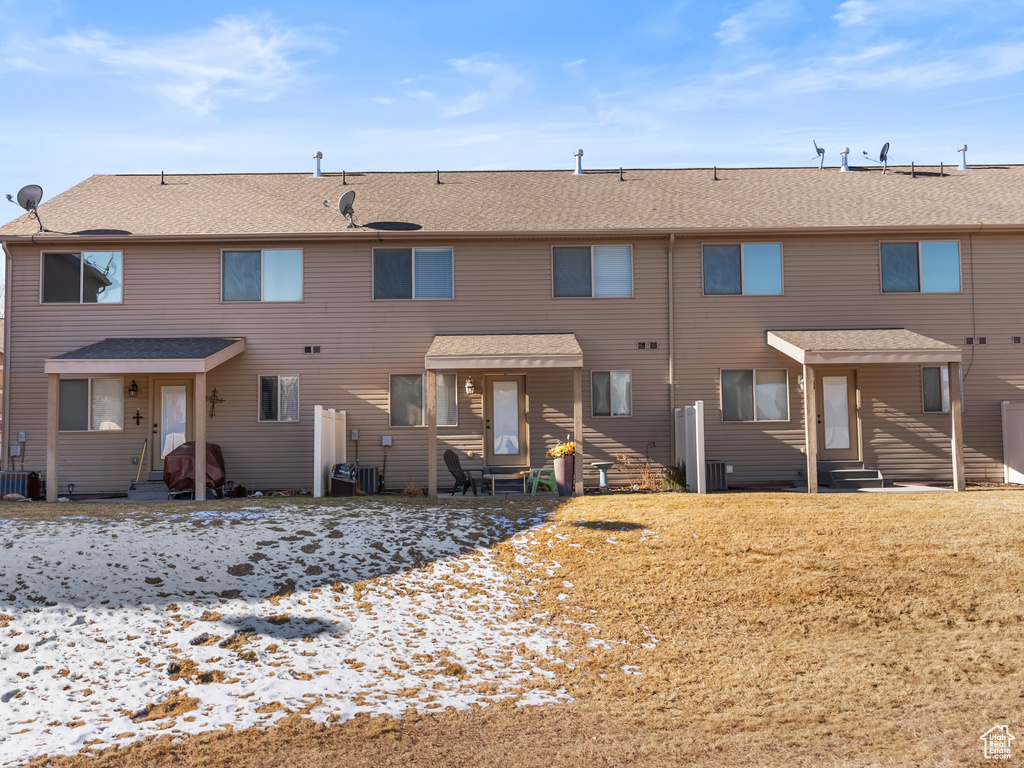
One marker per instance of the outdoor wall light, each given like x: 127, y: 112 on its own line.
x: 133, y: 390
x: 800, y: 382
x: 470, y: 386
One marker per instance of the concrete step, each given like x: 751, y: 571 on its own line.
x: 148, y: 490
x: 858, y: 482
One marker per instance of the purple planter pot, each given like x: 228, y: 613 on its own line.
x: 564, y: 474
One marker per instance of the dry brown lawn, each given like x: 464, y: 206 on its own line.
x: 846, y: 630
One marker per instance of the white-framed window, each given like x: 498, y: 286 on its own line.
x: 413, y: 273
x: 758, y: 394
x: 600, y: 271
x: 407, y: 401
x: 91, y: 405
x: 267, y: 275
x: 935, y: 388
x: 928, y: 266
x: 86, y: 277
x: 611, y: 393
x: 279, y: 398
x: 751, y: 269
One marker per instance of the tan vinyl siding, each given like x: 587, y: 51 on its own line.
x: 834, y: 282
x: 500, y: 287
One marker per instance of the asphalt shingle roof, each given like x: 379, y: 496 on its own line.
x: 535, y: 201
x: 865, y: 340
x: 149, y: 349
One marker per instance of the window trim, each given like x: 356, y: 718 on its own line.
x: 259, y: 395
x: 261, y: 300
x: 920, y: 274
x: 423, y: 394
x: 412, y: 277
x: 632, y: 271
x: 743, y: 281
x: 753, y: 384
x: 611, y: 409
x: 81, y: 279
x: 88, y: 414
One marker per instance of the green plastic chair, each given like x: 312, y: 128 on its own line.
x: 544, y: 476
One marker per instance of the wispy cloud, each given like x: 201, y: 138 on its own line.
x: 739, y: 26
x: 236, y: 59
x: 853, y: 13
x: 500, y: 82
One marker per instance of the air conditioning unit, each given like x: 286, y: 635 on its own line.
x: 367, y: 479
x: 715, y: 475
x: 13, y: 482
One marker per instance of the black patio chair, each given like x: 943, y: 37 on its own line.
x: 463, y: 477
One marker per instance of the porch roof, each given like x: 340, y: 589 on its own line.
x: 504, y: 350
x: 862, y: 346
x: 177, y: 355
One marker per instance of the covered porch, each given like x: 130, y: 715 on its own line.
x: 503, y: 361
x: 830, y: 360
x: 186, y: 360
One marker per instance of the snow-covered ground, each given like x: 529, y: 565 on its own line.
x: 112, y: 631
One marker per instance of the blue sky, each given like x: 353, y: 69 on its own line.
x: 107, y: 87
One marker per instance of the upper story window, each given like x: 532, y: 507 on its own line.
x: 413, y: 273
x: 269, y: 275
x: 925, y: 267
x: 89, y: 277
x: 750, y: 269
x: 599, y: 271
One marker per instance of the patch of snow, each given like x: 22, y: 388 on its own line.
x: 329, y: 611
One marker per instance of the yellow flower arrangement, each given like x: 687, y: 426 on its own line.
x: 561, y: 450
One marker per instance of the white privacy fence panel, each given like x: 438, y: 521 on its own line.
x: 1013, y: 442
x: 329, y: 446
x: 689, y: 432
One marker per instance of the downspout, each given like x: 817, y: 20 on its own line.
x: 8, y: 271
x: 671, y: 347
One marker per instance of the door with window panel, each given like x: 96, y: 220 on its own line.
x: 172, y: 418
x: 506, y: 434
x: 838, y: 418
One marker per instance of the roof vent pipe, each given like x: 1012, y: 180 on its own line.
x: 579, y: 163
x: 963, y: 158
x: 318, y: 157
x: 846, y: 164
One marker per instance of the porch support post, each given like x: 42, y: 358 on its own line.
x: 52, y: 435
x: 957, y: 437
x: 431, y: 434
x: 577, y: 426
x: 199, y: 391
x: 811, y: 429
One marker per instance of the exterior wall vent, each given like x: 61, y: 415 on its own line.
x: 1016, y: 339
x: 653, y: 345
x: 311, y: 349
x: 969, y: 341
x: 983, y: 340
x: 641, y: 345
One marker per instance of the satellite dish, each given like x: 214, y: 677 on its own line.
x: 883, y: 157
x: 821, y: 154
x: 30, y: 196
x: 345, y: 202
x: 345, y: 206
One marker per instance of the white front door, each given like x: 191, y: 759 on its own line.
x: 838, y: 428
x: 173, y: 423
x: 506, y: 438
